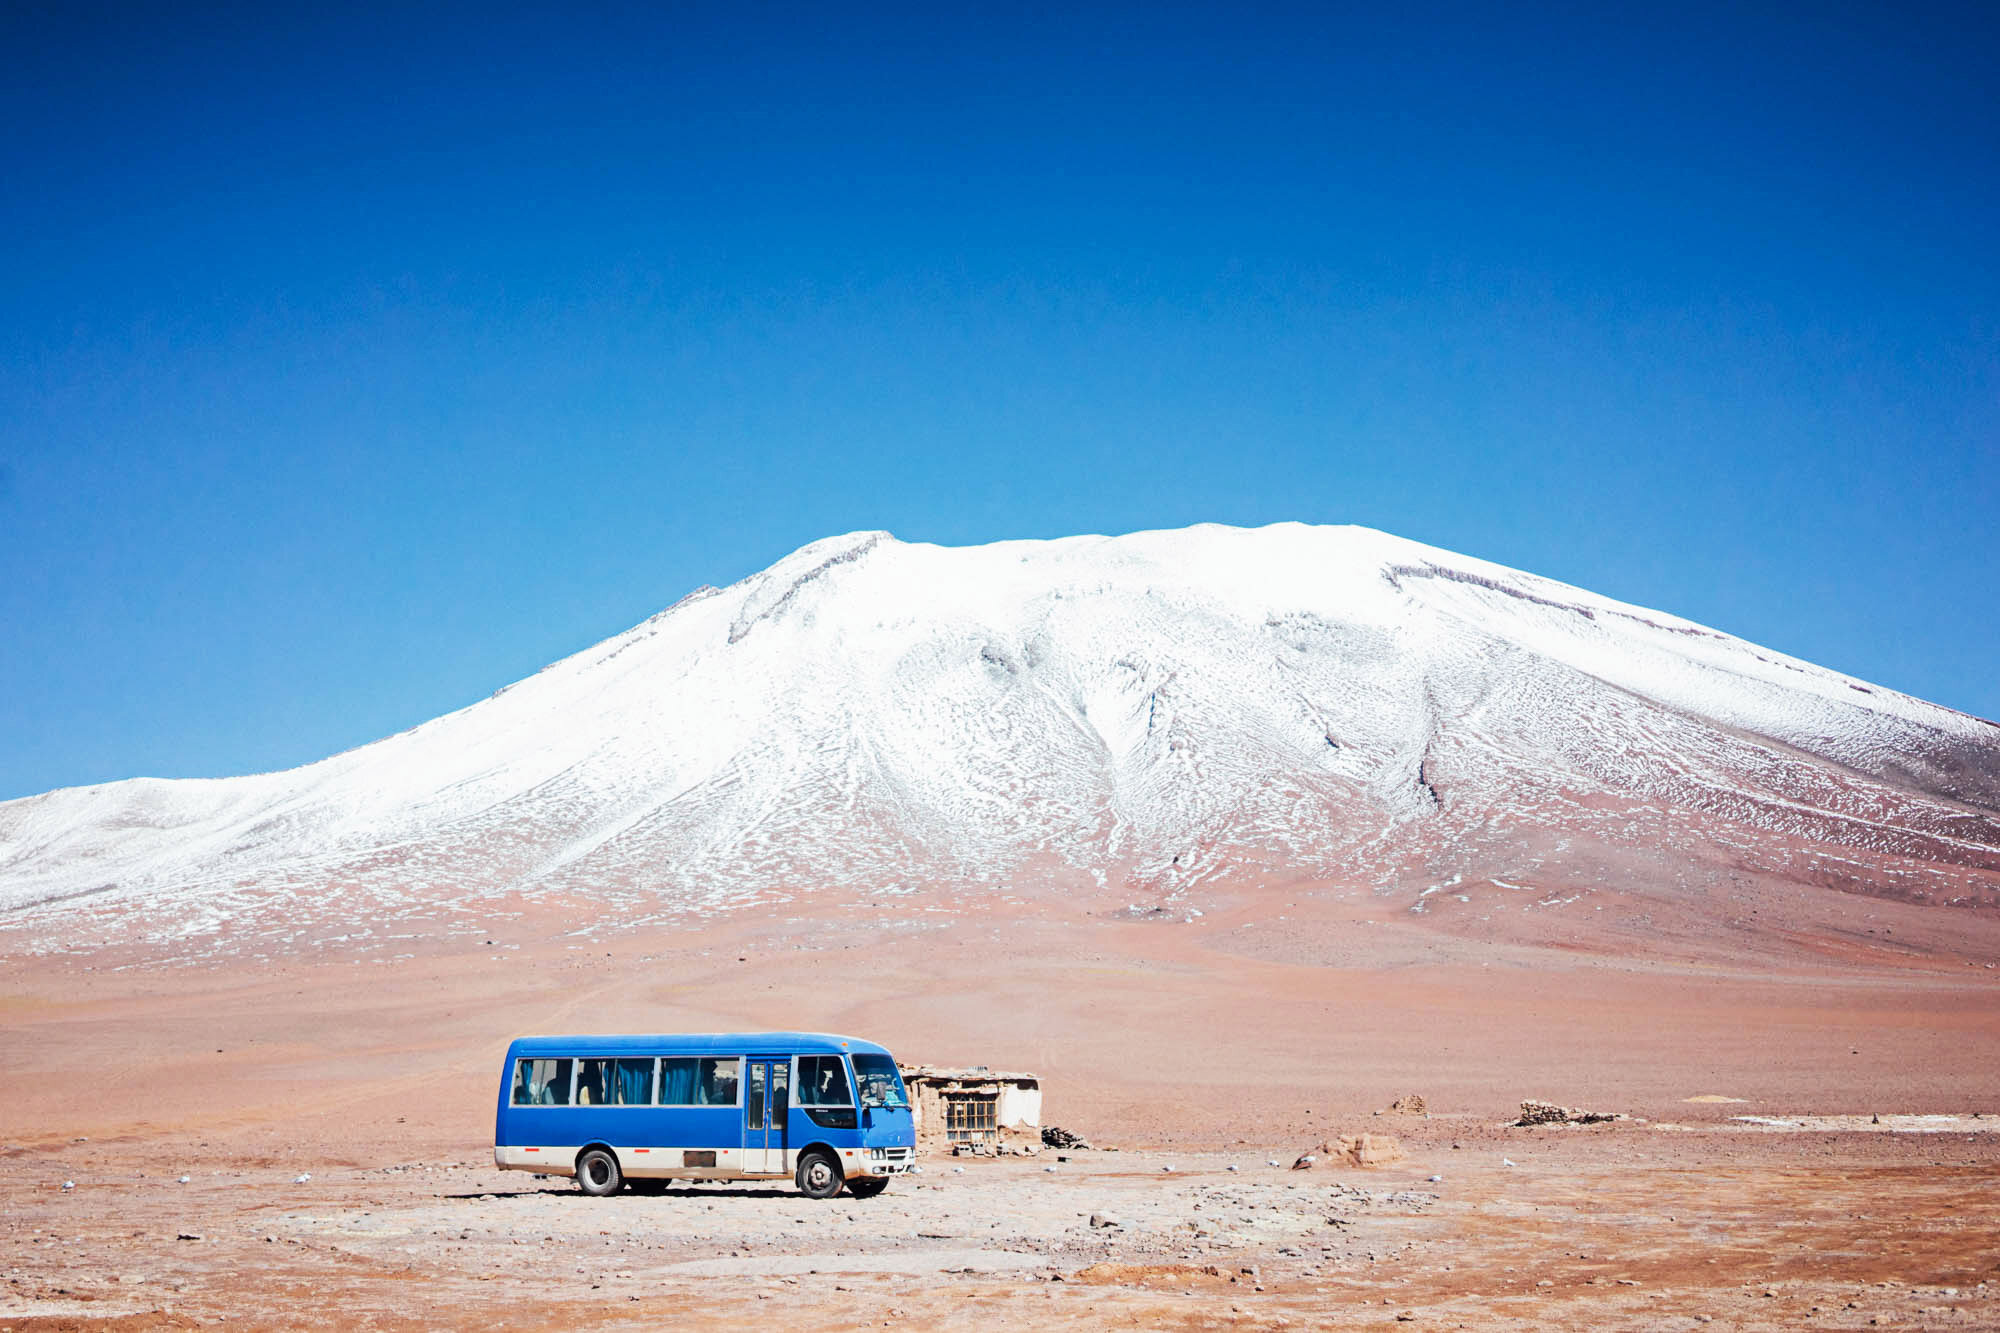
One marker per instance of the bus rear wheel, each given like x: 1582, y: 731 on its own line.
x: 867, y: 1187
x: 819, y: 1175
x: 597, y: 1173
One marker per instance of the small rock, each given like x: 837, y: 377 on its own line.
x: 1435, y: 1179
x: 188, y: 1235
x: 1508, y: 1161
x: 183, y: 1180
x: 302, y: 1177
x: 1232, y: 1166
x: 1167, y: 1166
x: 1105, y: 1220
x: 1304, y: 1163
x: 69, y: 1184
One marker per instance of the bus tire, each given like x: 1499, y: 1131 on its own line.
x: 597, y: 1172
x: 819, y: 1175
x: 867, y: 1187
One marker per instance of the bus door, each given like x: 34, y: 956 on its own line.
x: 767, y: 1095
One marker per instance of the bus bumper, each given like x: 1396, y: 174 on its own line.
x: 882, y: 1161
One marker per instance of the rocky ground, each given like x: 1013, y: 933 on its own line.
x: 304, y: 1140
x: 1480, y: 1227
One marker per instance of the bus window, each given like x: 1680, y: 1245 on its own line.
x: 685, y: 1081
x: 719, y: 1080
x: 879, y: 1082
x: 541, y: 1083
x: 614, y: 1083
x: 823, y: 1081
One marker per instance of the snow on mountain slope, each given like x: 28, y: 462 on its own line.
x: 1164, y: 711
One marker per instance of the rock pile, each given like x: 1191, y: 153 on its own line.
x: 1354, y: 1150
x: 1368, y: 1149
x: 1548, y: 1113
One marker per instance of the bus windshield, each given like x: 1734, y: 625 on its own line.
x: 879, y: 1083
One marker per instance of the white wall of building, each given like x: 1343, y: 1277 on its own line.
x: 1019, y: 1107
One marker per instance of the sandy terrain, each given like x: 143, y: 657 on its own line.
x: 1246, y: 1036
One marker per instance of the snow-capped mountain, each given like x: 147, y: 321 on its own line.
x: 1161, y: 713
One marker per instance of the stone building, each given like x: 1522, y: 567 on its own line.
x: 976, y: 1105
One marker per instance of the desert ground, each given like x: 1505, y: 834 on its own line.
x: 289, y: 1124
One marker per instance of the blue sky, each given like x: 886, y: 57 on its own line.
x: 354, y: 366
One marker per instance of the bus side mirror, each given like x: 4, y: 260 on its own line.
x: 867, y: 1116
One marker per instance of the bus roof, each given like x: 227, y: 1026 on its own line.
x: 695, y: 1043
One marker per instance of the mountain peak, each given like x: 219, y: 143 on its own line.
x: 1166, y: 713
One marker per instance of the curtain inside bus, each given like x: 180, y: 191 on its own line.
x: 677, y: 1083
x: 634, y: 1076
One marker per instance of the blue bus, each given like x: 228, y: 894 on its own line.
x: 829, y: 1112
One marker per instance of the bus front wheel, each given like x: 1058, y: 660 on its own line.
x: 819, y: 1175
x: 597, y: 1173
